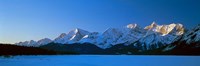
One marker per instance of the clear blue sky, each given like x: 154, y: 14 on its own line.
x: 22, y: 20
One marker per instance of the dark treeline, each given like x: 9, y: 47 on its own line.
x: 7, y: 49
x: 91, y: 49
x: 119, y: 49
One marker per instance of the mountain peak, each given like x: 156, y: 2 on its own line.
x: 153, y: 23
x: 166, y: 29
x: 151, y: 26
x: 72, y: 36
x: 131, y: 25
x: 77, y: 29
x: 62, y: 35
x: 32, y: 42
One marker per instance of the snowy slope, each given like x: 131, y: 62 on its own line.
x: 72, y: 37
x: 44, y: 41
x: 159, y: 35
x: 113, y: 36
x: 132, y: 33
x: 90, y: 38
x: 109, y: 37
x: 192, y: 36
x: 104, y: 40
x: 35, y: 43
x: 153, y: 41
x: 27, y: 43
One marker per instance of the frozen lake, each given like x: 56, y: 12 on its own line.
x: 100, y: 60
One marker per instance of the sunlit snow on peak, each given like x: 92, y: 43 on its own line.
x: 178, y: 29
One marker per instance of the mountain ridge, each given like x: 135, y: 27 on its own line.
x: 130, y: 39
x: 154, y: 34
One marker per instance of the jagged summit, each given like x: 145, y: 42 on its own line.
x: 72, y: 36
x: 178, y: 29
x: 77, y: 30
x: 151, y: 26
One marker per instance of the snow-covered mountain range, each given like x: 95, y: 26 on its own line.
x: 149, y: 37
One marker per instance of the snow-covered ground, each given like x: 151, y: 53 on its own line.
x: 100, y: 60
